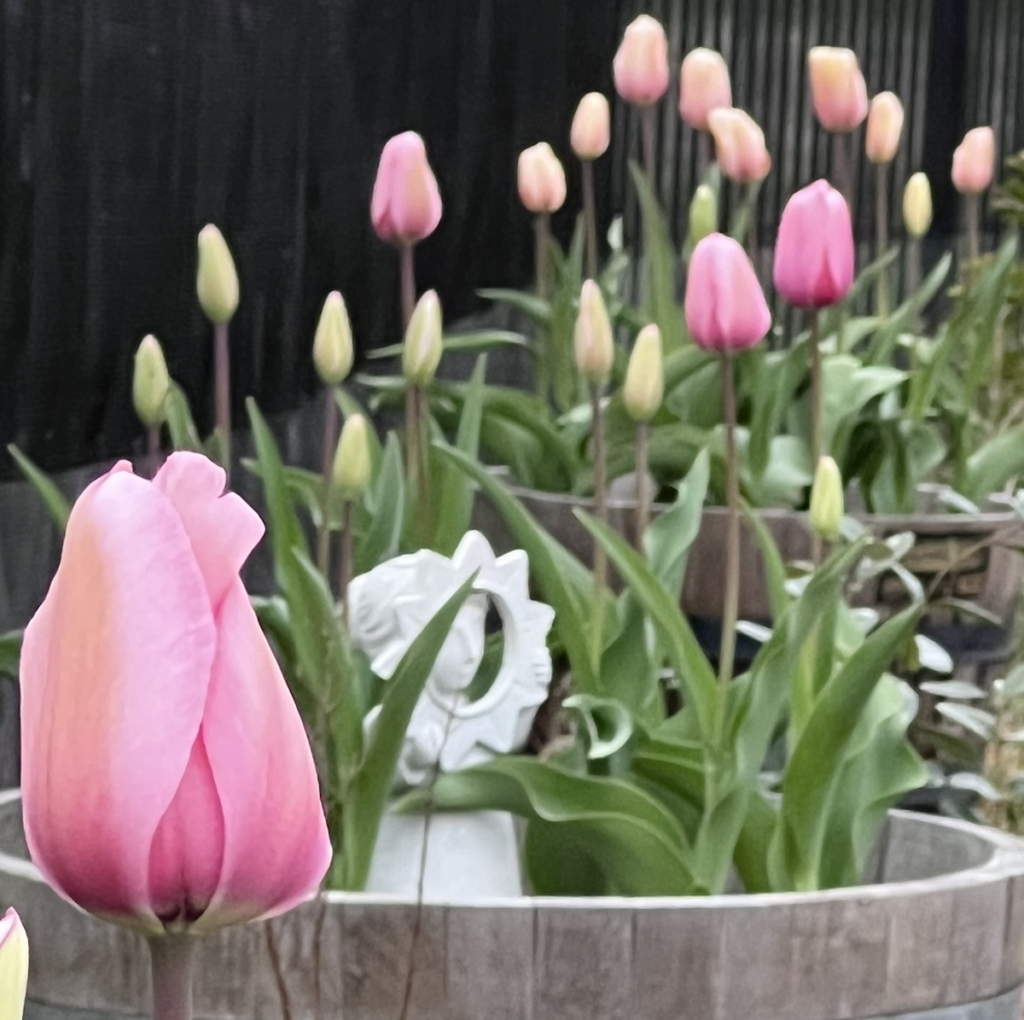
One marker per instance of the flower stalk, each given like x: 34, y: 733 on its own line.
x: 730, y: 607
x: 171, y: 960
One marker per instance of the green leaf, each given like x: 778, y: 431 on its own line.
x: 536, y: 308
x: 478, y: 340
x: 378, y: 523
x: 10, y: 652
x: 771, y: 561
x: 53, y: 499
x: 368, y: 793
x: 606, y: 724
x: 994, y: 464
x: 184, y: 434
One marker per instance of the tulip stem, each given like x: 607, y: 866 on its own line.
x: 601, y: 513
x: 817, y: 441
x: 705, y: 155
x: 730, y: 607
x: 222, y: 382
x: 590, y: 217
x: 408, y: 274
x: 171, y: 968
x: 648, y: 136
x: 345, y: 568
x: 323, y: 543
x: 882, y: 234
x: 972, y: 216
x: 542, y: 270
x: 643, y: 488
x: 153, y: 448
x: 913, y: 269
x: 842, y: 169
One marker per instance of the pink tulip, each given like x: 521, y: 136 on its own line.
x: 406, y: 205
x: 641, y: 64
x: 837, y: 87
x: 541, y: 179
x: 814, y: 248
x: 166, y: 775
x: 725, y: 306
x: 703, y: 86
x: 885, y: 125
x: 739, y: 145
x: 974, y: 162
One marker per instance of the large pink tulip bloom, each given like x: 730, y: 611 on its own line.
x: 166, y: 776
x: 406, y: 205
x: 725, y: 306
x: 814, y: 254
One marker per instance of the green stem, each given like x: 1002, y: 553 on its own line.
x: 153, y: 448
x: 842, y: 170
x: 972, y: 217
x: 408, y: 274
x: 345, y: 568
x: 171, y: 968
x: 601, y: 513
x: 643, y: 488
x: 649, y: 135
x: 542, y: 269
x: 590, y: 217
x: 817, y: 439
x: 222, y: 384
x: 882, y: 235
x: 323, y: 544
x: 730, y: 607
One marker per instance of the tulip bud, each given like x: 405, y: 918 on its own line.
x: 645, y: 381
x: 703, y: 213
x: 974, y: 161
x: 739, y: 145
x: 703, y: 86
x: 13, y: 966
x: 421, y: 353
x: 593, y: 343
x: 814, y: 254
x: 641, y: 63
x: 332, y: 342
x: 350, y: 473
x: 591, y: 127
x: 541, y: 179
x: 406, y: 205
x: 827, y: 499
x: 885, y: 125
x: 151, y: 383
x: 917, y: 205
x: 837, y: 86
x: 725, y: 306
x: 216, y: 279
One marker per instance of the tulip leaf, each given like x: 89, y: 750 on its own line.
x: 529, y: 304
x: 992, y: 465
x: 379, y: 516
x: 184, y: 434
x: 367, y: 795
x: 53, y: 499
x: 10, y: 652
x: 478, y: 340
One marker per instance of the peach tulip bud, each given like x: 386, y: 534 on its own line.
x: 645, y: 379
x: 641, y: 64
x: 151, y: 383
x: 422, y: 347
x: 725, y: 306
x: 332, y: 342
x: 703, y: 86
x: 13, y: 966
x: 974, y: 161
x: 594, y: 345
x: 826, y: 510
x: 885, y: 125
x: 837, y: 86
x: 814, y: 248
x: 591, y: 127
x: 739, y: 145
x: 541, y: 179
x: 917, y: 205
x: 167, y: 781
x: 216, y: 278
x: 406, y: 205
x: 351, y: 469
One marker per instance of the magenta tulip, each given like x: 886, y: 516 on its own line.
x: 725, y: 306
x: 167, y: 780
x: 814, y: 249
x: 406, y: 205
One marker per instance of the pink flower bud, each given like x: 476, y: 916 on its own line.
x: 641, y: 64
x: 591, y: 127
x: 703, y: 86
x: 541, y: 179
x: 406, y: 205
x: 739, y: 145
x: 837, y: 85
x: 814, y: 249
x: 974, y: 161
x: 885, y: 125
x: 725, y: 306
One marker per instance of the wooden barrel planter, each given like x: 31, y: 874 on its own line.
x: 939, y: 932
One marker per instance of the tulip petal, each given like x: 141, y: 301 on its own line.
x: 276, y: 847
x: 223, y: 529
x: 114, y: 677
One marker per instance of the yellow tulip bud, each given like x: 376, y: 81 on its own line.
x: 703, y: 213
x: 917, y: 205
x: 13, y: 966
x: 594, y: 344
x: 827, y: 499
x: 332, y: 342
x: 645, y: 382
x: 421, y: 353
x: 151, y: 383
x: 350, y: 473
x: 216, y: 279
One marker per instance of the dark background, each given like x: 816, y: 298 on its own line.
x: 128, y: 124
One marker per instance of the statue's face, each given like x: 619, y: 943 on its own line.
x: 462, y: 652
